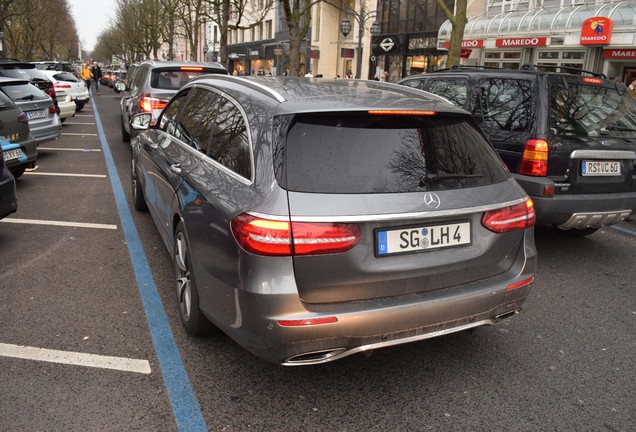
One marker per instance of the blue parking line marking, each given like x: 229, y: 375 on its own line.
x: 625, y: 230
x: 185, y: 405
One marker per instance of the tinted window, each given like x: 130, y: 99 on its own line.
x: 382, y: 154
x: 415, y: 83
x: 453, y: 89
x: 230, y: 144
x: 168, y: 121
x: 591, y: 110
x: 6, y: 102
x: 23, y: 92
x: 504, y: 104
x: 193, y: 115
x: 65, y: 76
x: 175, y: 78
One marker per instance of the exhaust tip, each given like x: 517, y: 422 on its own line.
x: 506, y: 315
x: 314, y: 357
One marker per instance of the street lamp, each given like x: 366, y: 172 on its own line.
x: 361, y: 18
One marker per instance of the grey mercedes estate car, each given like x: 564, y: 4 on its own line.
x: 310, y: 219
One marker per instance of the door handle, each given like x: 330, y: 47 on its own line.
x: 175, y: 168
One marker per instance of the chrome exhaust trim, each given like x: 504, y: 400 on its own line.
x: 506, y: 315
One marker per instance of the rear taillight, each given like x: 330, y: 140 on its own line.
x: 283, y: 238
x: 147, y: 103
x: 516, y: 217
x: 52, y: 109
x: 22, y: 118
x: 534, y: 161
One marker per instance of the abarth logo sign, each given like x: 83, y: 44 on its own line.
x: 432, y: 200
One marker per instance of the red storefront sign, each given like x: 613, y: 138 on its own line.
x: 620, y: 53
x: 465, y: 53
x: 596, y: 31
x: 475, y: 43
x: 521, y: 42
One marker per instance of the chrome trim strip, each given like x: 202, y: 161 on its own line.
x: 602, y: 154
x: 391, y: 216
x: 378, y: 345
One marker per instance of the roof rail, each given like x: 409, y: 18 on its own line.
x: 534, y: 68
x: 460, y: 67
x: 248, y: 82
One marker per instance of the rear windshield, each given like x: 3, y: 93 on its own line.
x: 66, y: 76
x: 174, y: 79
x: 6, y: 102
x: 384, y: 154
x: 591, y: 110
x: 23, y: 92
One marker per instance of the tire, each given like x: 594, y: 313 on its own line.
x: 63, y: 120
x: 17, y: 172
x: 193, y: 320
x: 577, y: 232
x: 125, y: 136
x: 139, y: 202
x: 80, y: 105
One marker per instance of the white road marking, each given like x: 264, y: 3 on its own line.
x: 78, y: 123
x: 84, y: 115
x: 65, y: 174
x: 75, y: 358
x: 58, y: 223
x: 69, y: 149
x: 78, y: 134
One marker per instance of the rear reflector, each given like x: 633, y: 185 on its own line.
x: 283, y: 238
x: 520, y: 284
x: 401, y: 112
x: 147, y: 103
x: 507, y: 219
x: 307, y: 322
x: 548, y: 191
x: 534, y: 161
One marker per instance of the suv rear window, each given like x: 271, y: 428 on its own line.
x: 23, y: 92
x: 384, y: 154
x: 591, y: 110
x: 175, y: 78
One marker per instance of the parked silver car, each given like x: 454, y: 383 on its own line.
x: 44, y: 122
x: 311, y: 220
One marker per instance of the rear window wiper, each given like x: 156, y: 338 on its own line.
x: 27, y: 97
x: 431, y: 178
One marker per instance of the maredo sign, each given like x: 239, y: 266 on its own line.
x: 596, y: 31
x: 521, y: 42
x: 476, y: 43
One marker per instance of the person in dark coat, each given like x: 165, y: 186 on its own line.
x: 97, y: 75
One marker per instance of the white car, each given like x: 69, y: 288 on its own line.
x: 70, y: 83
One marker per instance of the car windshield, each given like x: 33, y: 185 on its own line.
x: 23, y: 92
x: 591, y: 110
x: 384, y: 154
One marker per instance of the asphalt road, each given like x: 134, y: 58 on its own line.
x: 566, y: 363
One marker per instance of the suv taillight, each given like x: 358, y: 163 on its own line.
x: 147, y: 103
x: 52, y: 109
x: 507, y: 219
x: 534, y: 161
x: 283, y: 238
x: 22, y: 118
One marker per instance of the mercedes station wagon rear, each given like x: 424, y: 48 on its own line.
x: 311, y: 220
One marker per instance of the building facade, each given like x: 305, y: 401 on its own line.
x: 598, y: 36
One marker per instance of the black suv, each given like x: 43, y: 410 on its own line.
x: 568, y: 139
x: 154, y: 83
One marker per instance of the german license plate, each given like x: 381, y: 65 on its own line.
x: 36, y: 114
x: 601, y: 168
x: 12, y: 154
x: 422, y: 238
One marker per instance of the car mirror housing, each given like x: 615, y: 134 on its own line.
x: 141, y: 121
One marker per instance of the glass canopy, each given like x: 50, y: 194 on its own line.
x: 544, y: 21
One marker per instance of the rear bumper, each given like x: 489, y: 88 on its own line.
x: 67, y: 109
x: 377, y: 323
x: 8, y: 199
x: 577, y: 210
x: 47, y: 133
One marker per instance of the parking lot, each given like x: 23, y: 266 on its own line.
x: 90, y: 338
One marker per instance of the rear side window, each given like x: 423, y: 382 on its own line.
x: 384, y: 154
x: 504, y: 104
x: 453, y: 89
x: 193, y: 115
x: 23, y: 92
x: 415, y: 83
x: 168, y: 121
x: 230, y: 144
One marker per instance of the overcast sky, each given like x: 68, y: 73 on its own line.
x: 91, y: 17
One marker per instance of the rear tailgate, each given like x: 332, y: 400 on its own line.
x: 416, y: 187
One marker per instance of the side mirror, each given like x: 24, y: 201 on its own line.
x: 141, y: 121
x: 120, y: 86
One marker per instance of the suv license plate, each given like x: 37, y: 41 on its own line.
x: 601, y: 168
x: 422, y: 238
x: 36, y: 114
x: 12, y: 154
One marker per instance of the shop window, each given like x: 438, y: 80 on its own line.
x: 502, y: 59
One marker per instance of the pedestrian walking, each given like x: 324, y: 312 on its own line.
x: 86, y: 76
x: 96, y: 71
